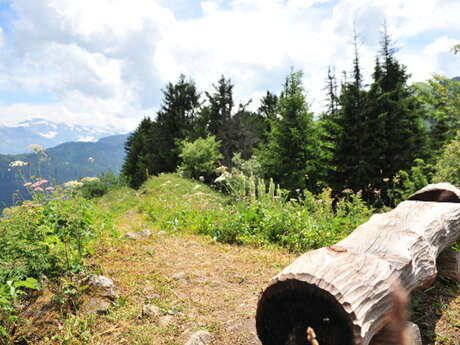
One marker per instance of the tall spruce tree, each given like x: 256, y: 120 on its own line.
x: 291, y: 153
x: 399, y: 136
x: 219, y: 115
x: 136, y: 165
x: 348, y: 128
x: 175, y: 121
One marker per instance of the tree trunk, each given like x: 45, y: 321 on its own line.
x: 344, y: 292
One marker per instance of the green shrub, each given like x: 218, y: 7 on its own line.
x: 94, y: 187
x: 299, y: 224
x: 47, y: 236
x: 200, y: 158
x: 448, y: 165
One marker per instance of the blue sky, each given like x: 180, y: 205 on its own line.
x: 104, y: 62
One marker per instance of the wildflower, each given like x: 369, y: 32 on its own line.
x: 347, y: 191
x: 73, y: 184
x: 38, y: 189
x: 223, y: 177
x: 90, y: 179
x: 18, y: 164
x: 27, y: 184
x: 49, y: 189
x: 201, y: 178
x: 91, y: 160
x: 38, y: 183
x: 36, y: 148
x: 386, y: 179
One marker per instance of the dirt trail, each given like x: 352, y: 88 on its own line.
x: 205, y: 285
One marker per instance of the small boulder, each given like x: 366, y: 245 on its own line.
x: 181, y: 276
x: 151, y: 310
x: 165, y: 320
x: 102, y: 286
x: 199, y: 338
x: 95, y: 305
x: 150, y: 293
x: 138, y: 235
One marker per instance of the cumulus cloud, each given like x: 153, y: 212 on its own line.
x: 106, y: 61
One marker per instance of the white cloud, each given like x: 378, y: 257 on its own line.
x: 107, y: 60
x: 49, y: 135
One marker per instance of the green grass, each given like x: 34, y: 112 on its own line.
x: 170, y: 202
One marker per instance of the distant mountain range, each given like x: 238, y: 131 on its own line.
x: 456, y: 78
x: 68, y: 161
x: 15, y: 138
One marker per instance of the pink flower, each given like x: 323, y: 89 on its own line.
x: 43, y: 182
x: 27, y: 184
x: 38, y: 189
x: 49, y: 189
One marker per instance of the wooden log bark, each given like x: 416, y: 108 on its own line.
x: 449, y: 265
x: 344, y: 292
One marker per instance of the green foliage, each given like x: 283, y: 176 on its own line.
x: 175, y: 121
x: 200, y: 158
x: 405, y: 183
x: 448, y: 165
x: 300, y: 224
x: 44, y: 237
x: 94, y: 187
x: 241, y: 186
x: 136, y: 165
x: 291, y: 154
x: 440, y: 97
x: 376, y: 132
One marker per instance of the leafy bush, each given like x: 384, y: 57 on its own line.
x: 299, y: 224
x: 44, y: 237
x: 406, y: 183
x: 94, y: 187
x: 448, y: 165
x: 200, y: 158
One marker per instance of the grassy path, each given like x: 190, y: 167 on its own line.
x: 203, y: 284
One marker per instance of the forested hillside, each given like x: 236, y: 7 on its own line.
x: 59, y: 164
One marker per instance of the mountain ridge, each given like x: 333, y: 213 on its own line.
x: 17, y: 137
x: 64, y: 162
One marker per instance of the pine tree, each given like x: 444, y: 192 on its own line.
x: 349, y: 130
x: 399, y: 135
x: 175, y: 121
x: 135, y: 167
x: 219, y: 114
x: 291, y: 154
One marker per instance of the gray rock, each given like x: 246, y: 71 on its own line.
x: 138, y: 235
x: 165, y: 320
x: 151, y: 310
x: 182, y: 276
x: 95, y: 305
x: 102, y: 286
x: 199, y: 338
x: 150, y: 293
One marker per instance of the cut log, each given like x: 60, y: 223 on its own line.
x: 344, y: 291
x: 449, y: 265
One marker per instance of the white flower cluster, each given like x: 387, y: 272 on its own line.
x: 73, y: 184
x: 37, y: 148
x: 224, y: 174
x: 17, y: 164
x: 90, y: 179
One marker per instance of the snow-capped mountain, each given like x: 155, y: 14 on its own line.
x: 15, y: 138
